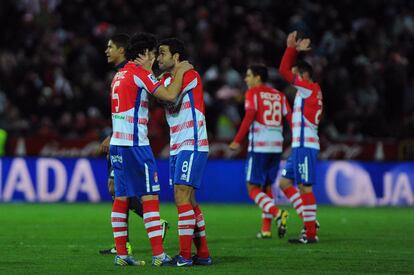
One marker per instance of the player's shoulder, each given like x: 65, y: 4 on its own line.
x: 191, y: 80
x: 191, y: 74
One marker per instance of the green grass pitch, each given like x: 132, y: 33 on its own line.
x: 65, y: 239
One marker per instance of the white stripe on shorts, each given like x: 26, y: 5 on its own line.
x: 306, y: 169
x: 190, y: 165
x: 147, y: 178
x: 249, y: 169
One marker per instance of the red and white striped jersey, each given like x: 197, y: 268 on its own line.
x: 266, y: 131
x: 129, y: 102
x: 307, y: 107
x: 188, y: 129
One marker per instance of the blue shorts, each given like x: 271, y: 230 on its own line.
x: 187, y: 168
x: 301, y: 165
x: 135, y: 171
x: 261, y: 168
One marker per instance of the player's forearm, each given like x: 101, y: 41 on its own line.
x: 171, y: 92
x: 245, y: 125
x: 175, y: 87
x: 288, y: 59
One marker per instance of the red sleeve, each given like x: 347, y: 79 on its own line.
x: 288, y: 60
x: 190, y: 80
x: 147, y: 80
x: 244, y: 127
x: 250, y: 103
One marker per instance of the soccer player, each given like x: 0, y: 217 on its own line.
x: 135, y: 172
x: 307, y: 110
x: 115, y: 53
x: 265, y: 107
x: 188, y: 151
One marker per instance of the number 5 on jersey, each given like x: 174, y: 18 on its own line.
x: 115, y: 95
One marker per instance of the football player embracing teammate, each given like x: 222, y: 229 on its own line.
x: 135, y: 172
x: 188, y: 152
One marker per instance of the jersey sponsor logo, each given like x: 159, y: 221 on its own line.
x: 153, y: 79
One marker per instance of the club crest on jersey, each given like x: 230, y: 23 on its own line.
x: 153, y: 79
x: 155, y: 176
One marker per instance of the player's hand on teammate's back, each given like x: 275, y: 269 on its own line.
x: 104, y: 147
x: 183, y: 66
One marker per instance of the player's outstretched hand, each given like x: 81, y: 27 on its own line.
x: 234, y: 146
x: 104, y: 147
x: 145, y: 60
x: 291, y: 39
x: 183, y: 67
x: 302, y: 45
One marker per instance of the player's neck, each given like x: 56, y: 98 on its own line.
x: 257, y: 85
x: 120, y: 61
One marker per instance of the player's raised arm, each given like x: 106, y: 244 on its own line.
x: 289, y: 57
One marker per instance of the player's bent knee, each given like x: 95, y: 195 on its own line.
x: 305, y: 188
x: 182, y: 194
x: 285, y: 183
x: 149, y: 197
x: 111, y: 188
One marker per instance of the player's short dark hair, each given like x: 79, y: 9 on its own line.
x: 259, y: 70
x: 138, y: 43
x: 176, y: 46
x: 304, y: 67
x: 120, y: 40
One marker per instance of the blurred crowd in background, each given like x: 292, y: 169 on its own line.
x: 54, y: 79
